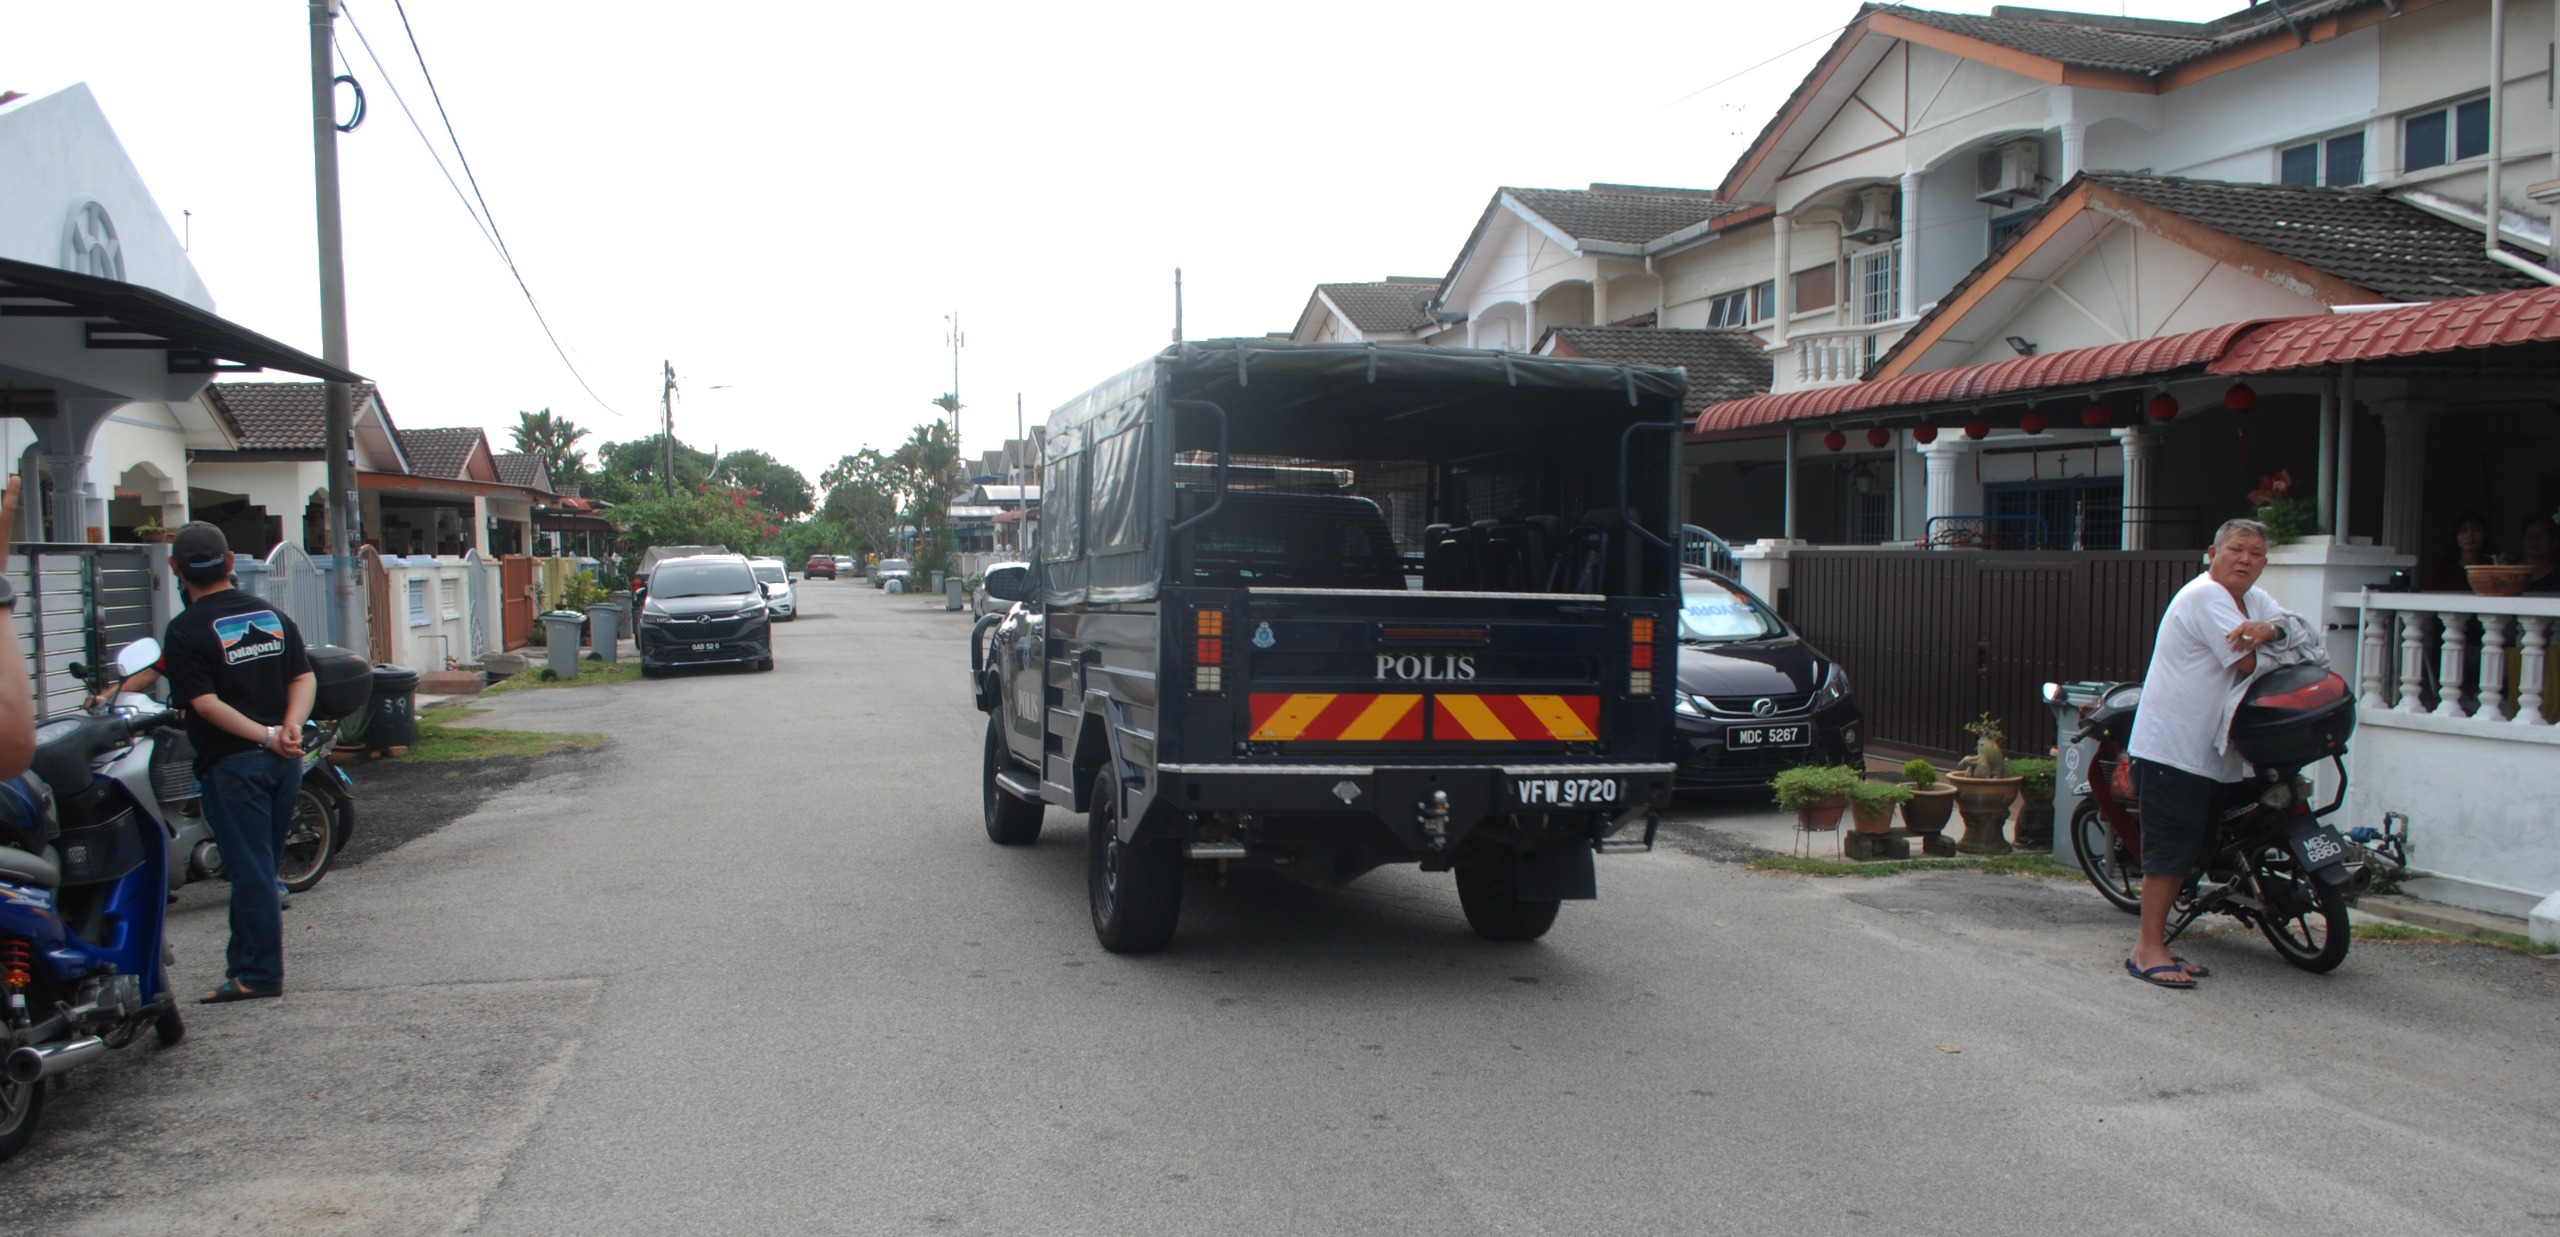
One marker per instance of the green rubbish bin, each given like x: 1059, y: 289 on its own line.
x: 391, y: 717
x: 560, y: 640
x: 604, y: 628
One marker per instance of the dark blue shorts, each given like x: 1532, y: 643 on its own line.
x: 2177, y: 818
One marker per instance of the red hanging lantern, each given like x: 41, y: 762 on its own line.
x: 1835, y: 440
x: 2032, y: 423
x: 2096, y: 416
x: 2240, y: 398
x: 1977, y: 429
x: 2163, y: 407
x: 1924, y: 434
x: 1879, y: 436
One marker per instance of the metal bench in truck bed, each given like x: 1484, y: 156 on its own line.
x: 1327, y: 607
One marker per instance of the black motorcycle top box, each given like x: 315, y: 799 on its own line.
x: 346, y: 681
x: 2294, y: 716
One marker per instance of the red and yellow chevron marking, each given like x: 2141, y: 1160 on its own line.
x: 1531, y: 719
x: 1323, y: 717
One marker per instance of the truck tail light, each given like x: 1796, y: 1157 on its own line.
x: 1640, y: 657
x: 1208, y: 651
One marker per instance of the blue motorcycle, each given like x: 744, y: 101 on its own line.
x: 84, y: 894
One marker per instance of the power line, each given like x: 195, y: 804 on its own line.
x: 1738, y: 74
x: 486, y: 220
x: 418, y: 129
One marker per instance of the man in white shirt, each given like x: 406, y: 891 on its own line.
x: 2208, y: 645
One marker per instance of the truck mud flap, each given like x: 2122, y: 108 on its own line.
x: 1556, y: 865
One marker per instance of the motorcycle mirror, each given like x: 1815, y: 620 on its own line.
x: 138, y: 656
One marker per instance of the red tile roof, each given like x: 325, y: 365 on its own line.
x: 2140, y: 358
x: 2506, y: 318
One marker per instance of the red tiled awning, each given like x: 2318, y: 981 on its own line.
x: 2465, y: 323
x: 1965, y: 384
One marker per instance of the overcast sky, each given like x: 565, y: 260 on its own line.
x: 786, y: 199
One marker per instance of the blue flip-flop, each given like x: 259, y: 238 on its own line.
x: 2166, y: 975
x: 2195, y: 970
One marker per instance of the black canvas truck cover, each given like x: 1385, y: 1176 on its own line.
x: 1110, y: 471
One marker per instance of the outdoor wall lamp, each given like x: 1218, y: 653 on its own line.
x: 2022, y: 345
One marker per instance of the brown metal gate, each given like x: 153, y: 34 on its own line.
x: 1933, y: 639
x: 377, y: 610
x: 516, y: 594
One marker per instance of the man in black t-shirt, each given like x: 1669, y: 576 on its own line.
x: 236, y: 665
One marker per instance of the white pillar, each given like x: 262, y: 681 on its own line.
x: 70, y: 475
x: 1782, y: 299
x: 2404, y: 473
x: 2075, y: 145
x: 1910, y: 302
x: 479, y: 537
x: 2141, y: 445
x: 1952, y: 489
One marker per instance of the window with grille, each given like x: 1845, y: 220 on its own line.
x: 1875, y: 283
x: 417, y: 602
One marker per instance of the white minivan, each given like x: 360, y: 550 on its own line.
x: 779, y: 597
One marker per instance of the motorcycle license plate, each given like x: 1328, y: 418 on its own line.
x: 1750, y: 738
x: 2318, y: 848
x: 1567, y: 791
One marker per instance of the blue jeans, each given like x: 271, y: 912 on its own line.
x: 249, y: 799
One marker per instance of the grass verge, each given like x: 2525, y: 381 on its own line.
x: 2036, y: 864
x: 2508, y: 941
x: 440, y: 739
x: 590, y: 673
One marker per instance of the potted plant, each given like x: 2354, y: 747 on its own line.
x: 2035, y: 801
x: 1931, y: 801
x: 1984, y: 789
x: 1817, y: 794
x: 1871, y: 804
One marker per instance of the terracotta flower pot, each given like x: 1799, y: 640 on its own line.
x: 1928, y: 808
x: 1984, y: 802
x: 2489, y: 580
x: 1876, y: 819
x: 1822, y: 815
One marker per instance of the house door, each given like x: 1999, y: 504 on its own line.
x: 517, y: 595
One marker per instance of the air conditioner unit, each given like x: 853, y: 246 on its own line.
x: 1873, y: 214
x: 2007, y: 172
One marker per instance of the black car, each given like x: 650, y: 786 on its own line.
x: 1754, y: 697
x: 706, y: 610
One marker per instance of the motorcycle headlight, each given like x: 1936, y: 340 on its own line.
x: 1834, y: 689
x: 1687, y: 705
x: 2278, y: 797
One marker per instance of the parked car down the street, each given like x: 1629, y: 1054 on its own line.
x: 705, y: 611
x: 888, y: 569
x: 1754, y: 697
x: 1002, y: 585
x: 779, y: 596
x: 846, y: 566
x: 820, y: 565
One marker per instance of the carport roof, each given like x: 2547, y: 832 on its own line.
x: 128, y: 316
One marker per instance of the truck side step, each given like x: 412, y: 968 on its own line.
x: 1013, y: 782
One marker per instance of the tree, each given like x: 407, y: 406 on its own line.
x: 779, y: 487
x: 628, y: 471
x: 554, y: 441
x: 929, y: 467
x: 863, y: 499
x: 710, y: 516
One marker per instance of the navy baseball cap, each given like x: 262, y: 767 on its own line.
x: 200, y: 546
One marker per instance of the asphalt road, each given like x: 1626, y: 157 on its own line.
x: 753, y: 968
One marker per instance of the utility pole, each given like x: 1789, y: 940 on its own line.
x: 1177, y: 304
x: 957, y: 340
x: 1017, y: 438
x: 667, y: 428
x: 344, y: 513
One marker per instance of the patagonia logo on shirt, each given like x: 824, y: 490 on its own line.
x: 249, y: 637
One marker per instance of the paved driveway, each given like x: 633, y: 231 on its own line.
x: 754, y: 969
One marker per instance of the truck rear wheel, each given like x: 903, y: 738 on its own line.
x: 1489, y: 892
x: 1010, y: 821
x: 1135, y: 890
